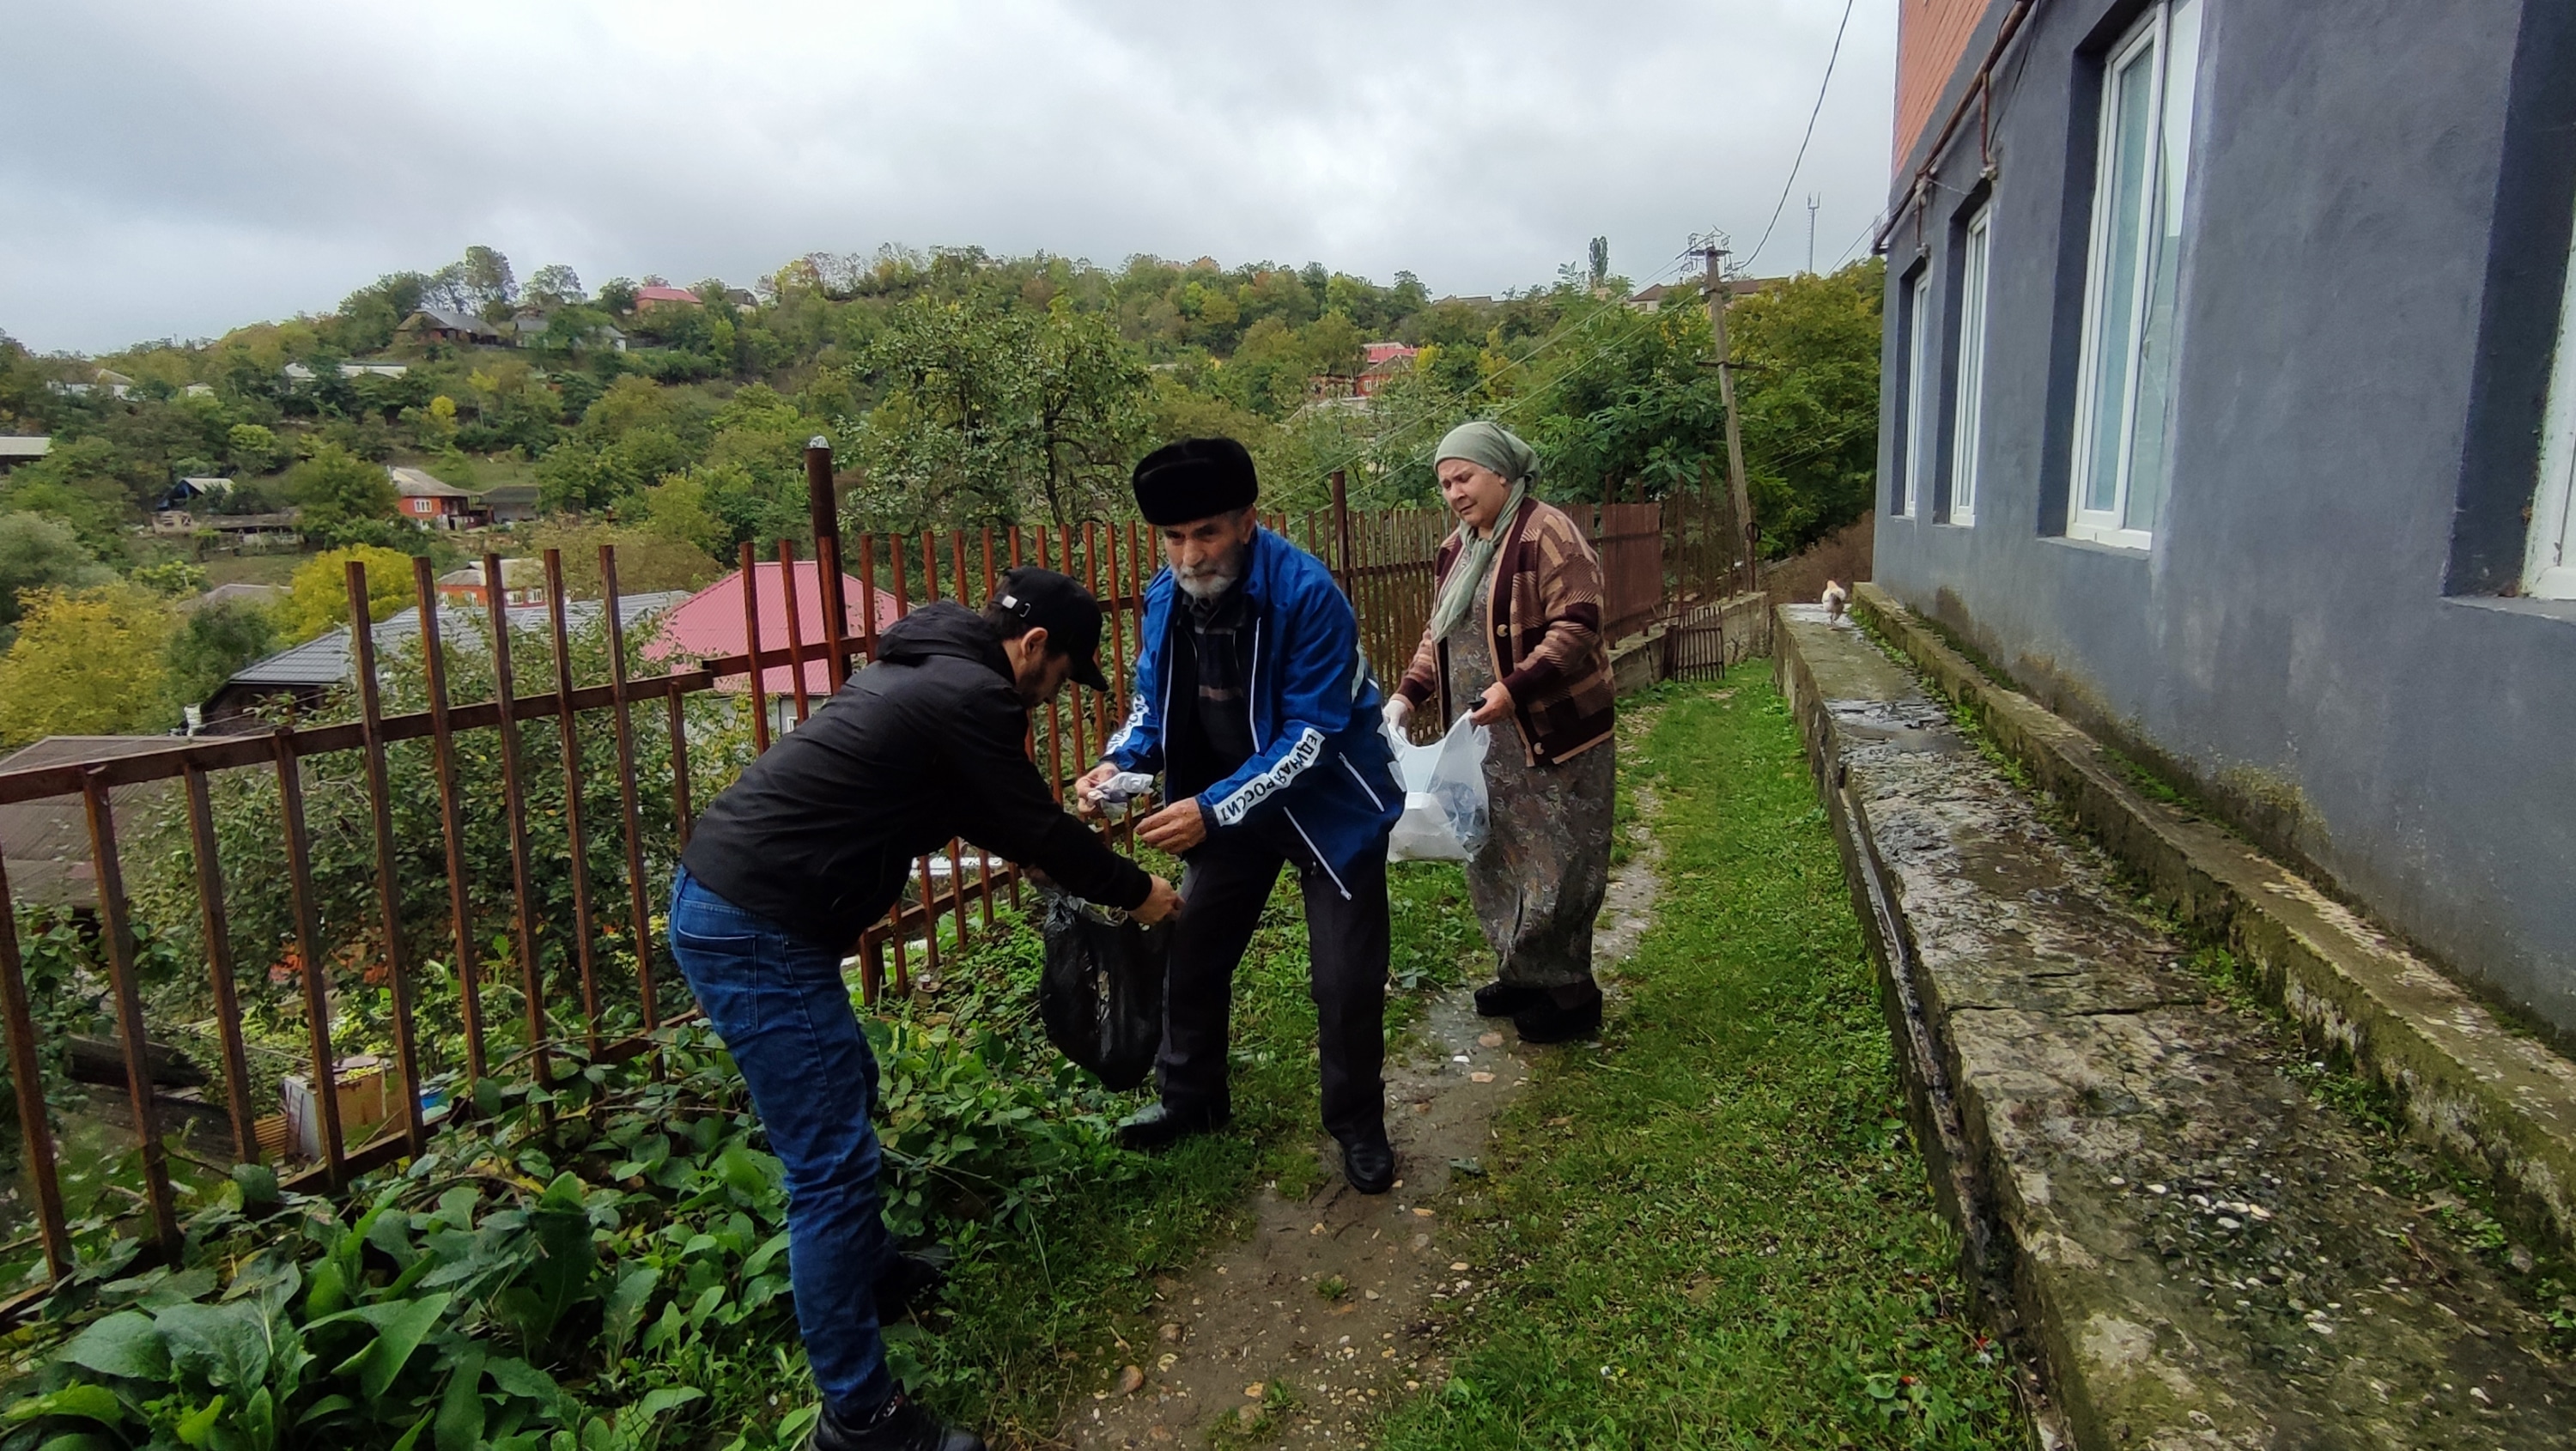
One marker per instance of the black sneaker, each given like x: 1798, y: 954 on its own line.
x: 1546, y: 1022
x: 910, y: 1277
x: 1502, y: 999
x: 1369, y: 1164
x: 1162, y: 1125
x: 900, y: 1426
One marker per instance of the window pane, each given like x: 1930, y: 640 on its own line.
x: 1972, y: 373
x: 2122, y: 203
x: 1918, y: 394
x: 2549, y: 570
x: 2150, y: 431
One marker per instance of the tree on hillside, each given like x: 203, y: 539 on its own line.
x: 87, y: 662
x: 39, y: 553
x: 1334, y: 345
x: 214, y: 641
x: 679, y: 508
x: 478, y: 282
x: 251, y: 448
x: 990, y: 415
x: 336, y: 489
x: 369, y: 316
x: 1808, y: 385
x: 646, y: 559
x: 80, y: 485
x: 317, y: 597
x: 1086, y: 390
x: 555, y: 285
x: 1632, y: 414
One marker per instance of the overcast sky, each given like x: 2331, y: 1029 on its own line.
x: 180, y: 169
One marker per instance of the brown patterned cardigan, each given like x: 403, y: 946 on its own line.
x: 1542, y: 618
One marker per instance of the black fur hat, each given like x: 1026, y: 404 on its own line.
x: 1194, y: 479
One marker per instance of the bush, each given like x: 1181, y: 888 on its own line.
x: 317, y: 598
x: 38, y: 552
x: 87, y: 663
x: 213, y: 642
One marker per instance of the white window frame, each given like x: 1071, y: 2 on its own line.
x: 1915, y: 475
x: 2549, y: 564
x: 2108, y: 526
x: 1976, y: 253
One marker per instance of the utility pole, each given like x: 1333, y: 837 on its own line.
x: 1715, y: 255
x: 1811, y: 234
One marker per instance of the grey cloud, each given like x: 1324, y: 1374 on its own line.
x: 184, y: 169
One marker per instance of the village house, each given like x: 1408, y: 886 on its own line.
x: 2230, y: 409
x: 299, y: 676
x: 434, y: 504
x: 530, y: 329
x: 710, y: 624
x: 439, y: 325
x: 523, y: 582
x: 22, y: 448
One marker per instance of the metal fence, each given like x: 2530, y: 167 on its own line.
x: 428, y: 893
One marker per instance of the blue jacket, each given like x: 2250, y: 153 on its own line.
x: 1320, y: 761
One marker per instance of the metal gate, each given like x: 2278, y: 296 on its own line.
x: 1716, y: 638
x: 1697, y: 650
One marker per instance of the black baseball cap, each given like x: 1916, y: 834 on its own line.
x: 1044, y: 599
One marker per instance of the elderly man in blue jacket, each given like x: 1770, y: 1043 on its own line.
x: 1254, y: 702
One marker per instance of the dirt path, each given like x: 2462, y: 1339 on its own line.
x: 1326, y: 1314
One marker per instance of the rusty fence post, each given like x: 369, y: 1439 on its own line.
x: 442, y: 746
x: 380, y: 811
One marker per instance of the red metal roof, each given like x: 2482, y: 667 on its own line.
x: 666, y: 294
x: 710, y: 623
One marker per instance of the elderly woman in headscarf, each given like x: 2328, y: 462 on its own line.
x: 1515, y: 639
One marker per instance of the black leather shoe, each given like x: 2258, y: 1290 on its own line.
x: 1162, y: 1125
x: 1369, y: 1164
x: 1502, y: 999
x: 910, y: 1278
x: 901, y: 1426
x: 1546, y: 1022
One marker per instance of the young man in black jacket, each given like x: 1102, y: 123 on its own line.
x: 812, y: 844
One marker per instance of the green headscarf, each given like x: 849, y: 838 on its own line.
x: 1488, y: 446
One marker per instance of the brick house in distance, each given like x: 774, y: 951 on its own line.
x: 433, y: 504
x: 2229, y: 408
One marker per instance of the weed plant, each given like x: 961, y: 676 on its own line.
x: 600, y: 1264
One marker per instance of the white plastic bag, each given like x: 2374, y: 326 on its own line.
x: 1444, y: 796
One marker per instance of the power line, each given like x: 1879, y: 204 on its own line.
x: 1792, y: 178
x: 1866, y: 228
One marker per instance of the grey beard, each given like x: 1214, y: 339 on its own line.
x: 1205, y: 586
x: 1213, y: 580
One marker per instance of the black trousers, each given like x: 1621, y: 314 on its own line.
x: 1223, y: 887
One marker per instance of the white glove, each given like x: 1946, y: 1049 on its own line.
x: 1399, y: 713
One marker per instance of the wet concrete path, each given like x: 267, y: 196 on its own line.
x: 1302, y: 1335
x: 2201, y: 1249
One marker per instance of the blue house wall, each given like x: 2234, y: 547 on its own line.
x: 2322, y: 636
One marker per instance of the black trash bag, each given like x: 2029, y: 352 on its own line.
x: 1102, y: 993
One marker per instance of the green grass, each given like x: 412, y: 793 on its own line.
x: 1032, y: 1313
x: 1715, y: 1228
x: 276, y: 568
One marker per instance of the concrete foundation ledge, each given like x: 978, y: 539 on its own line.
x: 2494, y: 1099
x: 2184, y: 1244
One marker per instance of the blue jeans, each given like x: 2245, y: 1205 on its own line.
x: 785, y: 1015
